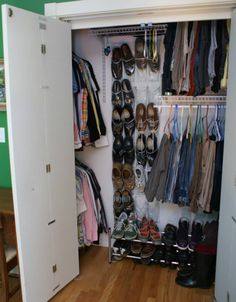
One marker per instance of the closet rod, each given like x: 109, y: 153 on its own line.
x: 128, y: 30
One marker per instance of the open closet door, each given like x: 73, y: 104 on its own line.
x: 225, y: 289
x: 37, y: 54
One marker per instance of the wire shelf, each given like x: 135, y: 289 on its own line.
x: 129, y: 30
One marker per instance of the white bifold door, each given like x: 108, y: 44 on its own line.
x: 37, y: 55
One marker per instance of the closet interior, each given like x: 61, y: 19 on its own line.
x: 162, y: 91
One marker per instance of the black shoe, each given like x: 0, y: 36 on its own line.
x: 151, y: 148
x: 159, y: 255
x: 117, y: 94
x: 196, y: 234
x: 127, y: 117
x: 118, y: 150
x: 169, y: 236
x: 128, y: 95
x: 171, y: 257
x: 141, y: 150
x: 117, y: 123
x: 183, y: 257
x: 182, y: 233
x: 129, y: 150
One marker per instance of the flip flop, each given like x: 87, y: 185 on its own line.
x: 140, y: 59
x: 128, y: 59
x: 116, y: 63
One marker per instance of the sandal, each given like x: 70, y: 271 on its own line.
x: 118, y: 205
x: 153, y: 56
x: 152, y: 117
x: 140, y: 59
x: 117, y: 123
x: 127, y: 202
x: 127, y: 117
x: 141, y: 117
x: 116, y: 94
x: 116, y: 63
x: 128, y: 59
x: 117, y: 176
x: 128, y: 177
x: 128, y: 95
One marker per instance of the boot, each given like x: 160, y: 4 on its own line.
x: 202, y: 275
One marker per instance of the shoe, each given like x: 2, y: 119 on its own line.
x: 196, y: 234
x: 143, y: 230
x: 140, y: 180
x: 136, y: 247
x: 117, y: 176
x: 152, y: 53
x: 182, y: 233
x: 120, y: 225
x: 129, y: 150
x: 159, y: 255
x: 127, y: 202
x: 130, y: 232
x: 128, y: 95
x: 140, y: 59
x: 148, y: 250
x: 128, y: 59
x: 117, y: 101
x: 127, y: 117
x: 141, y: 118
x: 117, y: 123
x: 116, y: 63
x: 128, y: 177
x: 141, y: 150
x: 118, y: 206
x: 155, y: 235
x: 169, y: 236
x: 171, y: 257
x: 183, y: 257
x: 118, y: 149
x: 125, y: 248
x: 151, y: 148
x: 152, y: 117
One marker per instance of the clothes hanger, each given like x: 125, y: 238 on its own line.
x: 167, y: 122
x: 206, y: 118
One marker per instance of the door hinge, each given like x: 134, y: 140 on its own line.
x: 10, y: 12
x: 43, y: 49
x: 54, y: 268
x: 48, y: 168
x: 228, y: 297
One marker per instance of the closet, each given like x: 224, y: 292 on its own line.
x: 37, y: 53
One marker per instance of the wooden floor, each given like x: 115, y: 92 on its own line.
x: 126, y: 281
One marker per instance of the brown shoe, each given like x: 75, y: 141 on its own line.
x: 148, y: 250
x: 136, y: 247
x: 117, y: 176
x: 141, y: 117
x: 152, y: 117
x: 128, y: 177
x: 140, y: 59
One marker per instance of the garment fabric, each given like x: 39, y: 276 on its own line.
x: 155, y: 186
x: 211, y: 56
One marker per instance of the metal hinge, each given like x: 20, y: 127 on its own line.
x: 54, y: 268
x: 228, y: 297
x: 43, y: 49
x: 48, y: 168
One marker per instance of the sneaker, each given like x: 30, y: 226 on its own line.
x: 182, y: 233
x: 196, y: 234
x: 143, y: 230
x: 131, y: 230
x: 169, y: 236
x: 117, y: 203
x: 127, y: 202
x: 140, y: 180
x: 120, y: 225
x: 155, y: 235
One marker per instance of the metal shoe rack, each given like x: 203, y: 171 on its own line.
x: 112, y: 254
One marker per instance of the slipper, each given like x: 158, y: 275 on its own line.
x: 117, y: 176
x: 117, y: 94
x: 140, y: 58
x: 128, y: 177
x: 117, y: 123
x: 128, y: 95
x: 129, y: 150
x: 151, y: 148
x: 127, y: 117
x: 141, y: 155
x: 152, y: 117
x: 116, y: 63
x: 141, y: 117
x: 128, y: 59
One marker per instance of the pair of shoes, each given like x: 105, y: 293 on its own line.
x: 123, y: 118
x: 122, y: 202
x: 125, y: 227
x: 123, y: 176
x: 122, y: 94
x: 119, y: 55
x: 140, y: 179
x: 121, y: 247
x: 123, y: 148
x: 183, y: 241
x: 171, y: 257
x: 145, y: 250
x: 146, y: 149
x: 146, y: 117
x: 169, y: 236
x: 148, y: 229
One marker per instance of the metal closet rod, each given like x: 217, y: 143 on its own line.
x: 128, y: 30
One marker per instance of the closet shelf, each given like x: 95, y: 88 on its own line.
x: 3, y: 107
x: 129, y: 30
x: 182, y: 100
